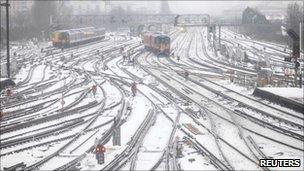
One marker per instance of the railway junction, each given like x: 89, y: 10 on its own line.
x: 209, y: 103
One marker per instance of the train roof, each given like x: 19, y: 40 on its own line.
x: 163, y: 35
x: 156, y: 35
x: 76, y: 29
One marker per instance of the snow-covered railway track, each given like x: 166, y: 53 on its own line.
x: 223, y: 89
x: 135, y: 78
x: 296, y: 121
x: 215, y: 136
x: 242, y: 70
x: 47, y: 118
x: 259, y: 121
x: 87, y: 128
x: 71, y: 163
x: 63, y: 88
x: 275, y: 47
x: 282, y: 116
x: 46, y: 134
x: 133, y: 145
x: 276, y: 59
x: 171, y: 138
x: 106, y: 135
x: 13, y: 142
x: 16, y: 150
x: 30, y: 112
x: 28, y: 77
x: 250, y: 102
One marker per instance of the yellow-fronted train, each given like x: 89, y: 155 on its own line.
x: 72, y: 37
x: 157, y: 43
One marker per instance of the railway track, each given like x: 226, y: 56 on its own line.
x: 133, y: 145
x: 236, y: 111
x: 285, y: 144
x: 104, y: 139
x: 71, y: 109
x: 276, y: 114
x: 173, y: 91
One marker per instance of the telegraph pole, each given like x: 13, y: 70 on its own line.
x: 295, y: 51
x: 219, y: 36
x: 301, y: 37
x: 6, y: 5
x: 301, y: 50
x: 7, y: 41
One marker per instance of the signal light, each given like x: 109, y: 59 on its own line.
x: 100, y: 149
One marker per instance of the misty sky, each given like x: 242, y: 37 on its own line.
x: 210, y: 7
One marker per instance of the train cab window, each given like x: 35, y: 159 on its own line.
x: 64, y: 36
x: 167, y: 40
x: 157, y: 40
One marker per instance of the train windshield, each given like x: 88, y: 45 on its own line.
x: 158, y: 40
x: 167, y: 40
x: 64, y: 36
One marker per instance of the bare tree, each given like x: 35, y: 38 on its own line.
x: 42, y: 10
x: 294, y: 16
x: 22, y: 23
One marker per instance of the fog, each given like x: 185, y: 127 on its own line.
x: 199, y: 7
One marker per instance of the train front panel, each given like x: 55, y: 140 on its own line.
x: 55, y: 37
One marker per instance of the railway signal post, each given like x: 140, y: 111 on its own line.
x: 62, y: 103
x: 99, y: 151
x: 134, y: 89
x: 116, y: 133
x: 102, y: 57
x: 94, y: 89
x: 8, y: 92
x: 121, y: 50
x: 186, y: 75
x: 219, y: 27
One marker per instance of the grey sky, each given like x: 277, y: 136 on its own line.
x: 210, y: 7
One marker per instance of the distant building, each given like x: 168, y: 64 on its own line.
x: 86, y: 7
x: 164, y: 7
x: 252, y: 16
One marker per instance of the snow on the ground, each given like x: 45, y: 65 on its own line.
x: 272, y: 134
x: 278, y: 151
x: 38, y: 74
x: 248, y: 91
x: 288, y: 92
x: 140, y: 107
x: 231, y: 134
x: 194, y: 161
x: 113, y: 95
x: 156, y: 139
x: 154, y: 143
x: 30, y: 156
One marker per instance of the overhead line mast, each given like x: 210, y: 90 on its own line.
x: 6, y: 5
